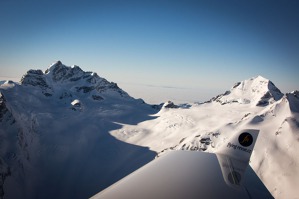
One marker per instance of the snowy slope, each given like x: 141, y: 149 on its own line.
x: 54, y: 134
x: 67, y: 133
x: 255, y: 103
x: 257, y: 91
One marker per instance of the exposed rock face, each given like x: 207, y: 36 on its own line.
x: 170, y: 104
x: 60, y: 77
x: 293, y: 100
x: 5, y: 117
x: 3, y: 108
x: 37, y: 78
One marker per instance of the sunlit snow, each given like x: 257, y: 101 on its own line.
x: 66, y: 133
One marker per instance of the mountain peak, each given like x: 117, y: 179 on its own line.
x: 59, y: 77
x: 259, y: 77
x: 53, y: 66
x: 257, y: 91
x: 59, y: 71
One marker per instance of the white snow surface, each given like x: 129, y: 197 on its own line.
x: 207, y: 126
x: 256, y: 91
x: 54, y: 134
x: 66, y: 133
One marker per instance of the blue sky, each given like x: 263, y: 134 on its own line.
x: 150, y: 48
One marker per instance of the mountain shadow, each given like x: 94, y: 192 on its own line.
x: 59, y: 145
x: 70, y: 154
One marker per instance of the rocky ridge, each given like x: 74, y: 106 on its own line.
x: 59, y: 77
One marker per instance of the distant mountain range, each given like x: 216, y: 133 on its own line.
x: 67, y: 133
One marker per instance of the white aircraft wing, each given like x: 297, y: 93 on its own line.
x: 193, y: 174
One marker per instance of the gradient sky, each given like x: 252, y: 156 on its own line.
x: 184, y: 50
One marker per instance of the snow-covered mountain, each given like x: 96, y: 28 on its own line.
x: 54, y: 134
x: 61, y: 81
x: 66, y: 133
x: 254, y: 103
x: 256, y: 91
